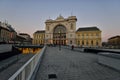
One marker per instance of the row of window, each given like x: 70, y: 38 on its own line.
x: 5, y: 35
x: 39, y: 36
x: 94, y: 34
x: 38, y: 42
x: 88, y: 42
x: 82, y: 37
x: 78, y: 36
x: 59, y: 36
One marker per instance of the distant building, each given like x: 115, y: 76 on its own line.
x: 20, y: 40
x: 62, y: 31
x: 7, y: 33
x: 4, y: 33
x: 88, y: 37
x: 27, y: 37
x: 39, y: 37
x: 13, y: 34
x: 114, y: 42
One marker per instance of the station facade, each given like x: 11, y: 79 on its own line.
x: 62, y: 31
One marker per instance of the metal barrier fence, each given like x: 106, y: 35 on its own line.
x: 110, y: 59
x: 27, y: 70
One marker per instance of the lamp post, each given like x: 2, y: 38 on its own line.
x: 60, y: 40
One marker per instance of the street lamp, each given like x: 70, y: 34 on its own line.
x: 60, y: 40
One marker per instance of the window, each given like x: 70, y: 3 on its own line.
x: 91, y: 42
x: 87, y: 43
x: 82, y: 35
x: 82, y: 42
x: 91, y: 34
x: 71, y: 27
x: 78, y: 42
x: 97, y: 35
x: 70, y: 42
x: 70, y: 35
x: 97, y: 43
x: 78, y: 35
x: 48, y: 28
x: 86, y: 35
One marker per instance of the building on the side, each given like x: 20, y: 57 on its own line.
x: 7, y: 33
x: 39, y: 37
x: 27, y: 37
x: 4, y: 33
x: 62, y: 31
x: 88, y: 37
x: 19, y: 40
x: 114, y: 42
x: 13, y: 34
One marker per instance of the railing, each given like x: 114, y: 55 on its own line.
x: 27, y: 70
x: 109, y: 59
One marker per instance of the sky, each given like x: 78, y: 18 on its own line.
x: 28, y: 16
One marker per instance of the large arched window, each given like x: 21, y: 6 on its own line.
x: 60, y: 29
x: 59, y: 35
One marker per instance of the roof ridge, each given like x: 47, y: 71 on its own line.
x: 94, y: 28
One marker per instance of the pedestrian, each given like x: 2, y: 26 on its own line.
x: 72, y: 47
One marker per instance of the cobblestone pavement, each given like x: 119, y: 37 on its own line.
x: 73, y: 65
x: 8, y: 72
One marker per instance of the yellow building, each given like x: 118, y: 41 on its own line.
x: 39, y: 37
x: 88, y: 37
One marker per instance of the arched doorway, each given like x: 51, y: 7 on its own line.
x: 59, y: 35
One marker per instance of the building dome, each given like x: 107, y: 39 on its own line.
x: 60, y: 17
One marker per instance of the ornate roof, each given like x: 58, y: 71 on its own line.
x: 118, y: 36
x: 88, y: 29
x: 40, y: 31
x: 60, y: 17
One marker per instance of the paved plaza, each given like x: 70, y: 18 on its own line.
x: 73, y: 65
